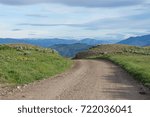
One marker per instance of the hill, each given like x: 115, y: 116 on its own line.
x: 70, y: 50
x: 135, y: 60
x: 21, y: 63
x: 113, y: 49
x: 137, y: 41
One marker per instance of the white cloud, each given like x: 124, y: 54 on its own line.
x: 57, y: 20
x: 85, y: 3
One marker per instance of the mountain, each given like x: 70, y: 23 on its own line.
x: 137, y: 41
x: 89, y: 41
x: 66, y: 47
x: 147, y: 45
x: 53, y: 41
x: 70, y: 50
x: 37, y: 42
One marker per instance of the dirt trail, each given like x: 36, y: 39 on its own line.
x: 88, y: 79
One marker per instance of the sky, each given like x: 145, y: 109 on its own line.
x: 74, y: 19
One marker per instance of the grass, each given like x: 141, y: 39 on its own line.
x: 137, y: 65
x: 135, y: 60
x: 21, y: 64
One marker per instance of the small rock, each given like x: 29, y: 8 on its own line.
x: 142, y: 93
x: 23, y: 96
x: 25, y: 86
x: 19, y: 87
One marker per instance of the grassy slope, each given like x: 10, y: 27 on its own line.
x: 21, y: 64
x: 135, y: 60
x: 137, y: 65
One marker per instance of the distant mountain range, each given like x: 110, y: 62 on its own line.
x: 137, y: 41
x: 54, y: 41
x: 90, y: 41
x: 70, y: 47
x: 66, y: 47
x: 37, y: 42
x: 70, y: 50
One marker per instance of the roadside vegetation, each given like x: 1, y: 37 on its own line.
x: 21, y: 64
x: 135, y: 60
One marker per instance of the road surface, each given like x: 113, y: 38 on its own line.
x: 87, y: 79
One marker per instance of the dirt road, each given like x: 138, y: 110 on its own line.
x: 88, y: 79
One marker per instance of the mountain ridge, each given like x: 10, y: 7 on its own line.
x: 137, y: 41
x: 54, y: 41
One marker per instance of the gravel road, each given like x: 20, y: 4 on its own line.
x: 86, y: 80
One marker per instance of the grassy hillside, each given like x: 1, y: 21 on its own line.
x: 135, y: 60
x: 21, y: 63
x: 113, y: 49
x: 137, y: 65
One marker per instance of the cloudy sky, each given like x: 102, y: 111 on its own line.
x: 77, y: 19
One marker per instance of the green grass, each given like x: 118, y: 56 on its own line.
x: 136, y: 65
x: 21, y: 64
x: 135, y: 60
